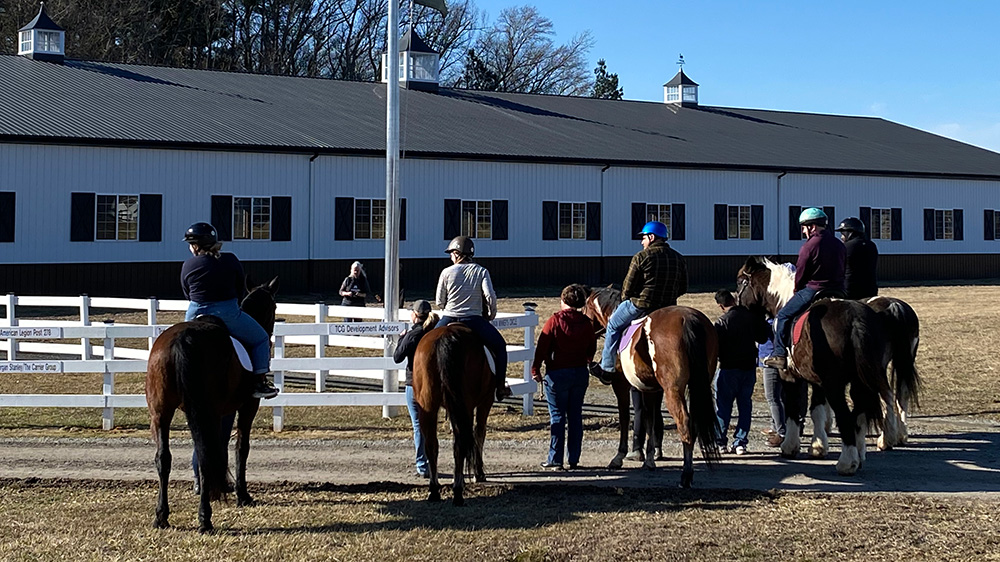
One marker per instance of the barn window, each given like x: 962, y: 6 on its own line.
x: 117, y: 217
x: 659, y: 212
x: 673, y: 93
x: 739, y: 222
x: 7, y: 208
x: 881, y: 224
x: 251, y: 218
x: 25, y: 41
x: 48, y: 42
x: 369, y: 219
x: 477, y: 219
x: 572, y: 221
x: 943, y: 224
x: 996, y: 221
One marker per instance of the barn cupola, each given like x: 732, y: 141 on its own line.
x: 681, y: 90
x: 42, y: 39
x: 418, y: 64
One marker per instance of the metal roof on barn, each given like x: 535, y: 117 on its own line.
x: 130, y: 105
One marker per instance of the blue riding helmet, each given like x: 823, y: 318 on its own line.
x: 656, y: 228
x: 812, y: 215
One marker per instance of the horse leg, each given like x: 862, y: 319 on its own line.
x: 649, y: 404
x: 161, y: 433
x: 428, y: 426
x: 889, y: 437
x: 657, y: 436
x: 243, y: 426
x: 622, y: 389
x: 792, y: 394
x: 460, y: 454
x: 902, y: 406
x: 849, y: 461
x: 861, y: 437
x: 819, y: 411
x: 678, y: 410
x: 482, y: 413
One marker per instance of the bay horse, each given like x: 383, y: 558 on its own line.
x: 675, y: 350
x: 450, y: 369
x: 600, y: 304
x: 193, y: 366
x: 903, y: 329
x: 842, y: 344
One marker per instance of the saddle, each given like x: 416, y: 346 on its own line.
x: 490, y: 360
x: 800, y: 321
x: 241, y: 351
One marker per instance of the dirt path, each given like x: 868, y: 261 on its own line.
x: 945, y: 455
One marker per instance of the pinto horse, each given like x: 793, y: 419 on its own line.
x: 842, y: 344
x: 600, y: 304
x: 675, y: 350
x: 450, y: 369
x: 193, y: 366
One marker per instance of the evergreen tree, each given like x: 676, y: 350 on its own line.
x: 605, y: 84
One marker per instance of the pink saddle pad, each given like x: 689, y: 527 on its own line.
x: 629, y: 332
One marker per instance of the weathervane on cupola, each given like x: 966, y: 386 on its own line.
x: 42, y: 39
x: 681, y: 90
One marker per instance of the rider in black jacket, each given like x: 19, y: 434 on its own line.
x: 862, y: 259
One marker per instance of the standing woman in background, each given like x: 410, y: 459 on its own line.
x: 355, y: 289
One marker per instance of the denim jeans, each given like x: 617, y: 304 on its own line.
x: 491, y: 337
x: 620, y: 319
x: 242, y: 327
x: 783, y: 322
x: 418, y: 438
x: 564, y: 392
x: 772, y: 392
x: 735, y: 384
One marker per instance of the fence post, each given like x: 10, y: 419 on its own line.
x: 528, y: 400
x: 108, y: 389
x: 151, y: 310
x: 84, y: 321
x: 11, y: 321
x: 321, y: 344
x: 278, y: 412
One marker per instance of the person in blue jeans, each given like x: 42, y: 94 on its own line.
x: 423, y: 322
x: 565, y: 346
x: 739, y: 333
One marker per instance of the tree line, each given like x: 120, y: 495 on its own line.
x: 341, y: 39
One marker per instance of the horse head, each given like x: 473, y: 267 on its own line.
x: 764, y: 284
x: 601, y: 303
x: 259, y: 303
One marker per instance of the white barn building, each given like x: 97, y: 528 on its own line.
x: 103, y: 166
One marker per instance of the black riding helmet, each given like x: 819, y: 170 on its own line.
x: 201, y: 233
x: 463, y: 245
x: 851, y: 223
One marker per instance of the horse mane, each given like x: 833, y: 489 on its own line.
x: 782, y: 281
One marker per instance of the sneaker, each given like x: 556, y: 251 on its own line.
x: 724, y: 449
x: 775, y: 440
x: 635, y: 455
x: 740, y: 449
x: 265, y: 389
x: 657, y: 454
x: 504, y: 392
x: 551, y: 465
x: 600, y: 374
x: 776, y: 361
x: 423, y: 474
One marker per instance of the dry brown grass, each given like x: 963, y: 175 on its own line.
x: 99, y: 521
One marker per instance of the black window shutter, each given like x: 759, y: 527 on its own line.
x: 343, y: 218
x: 638, y: 219
x: 7, y: 200
x: 957, y: 228
x: 402, y: 218
x: 452, y: 218
x: 281, y: 219
x: 830, y: 221
x: 794, y: 230
x: 550, y: 220
x: 593, y: 220
x: 928, y: 224
x: 81, y: 221
x: 222, y: 216
x: 499, y: 219
x: 678, y: 223
x: 756, y: 222
x: 150, y: 217
x: 865, y: 216
x: 988, y: 233
x: 721, y: 222
x: 896, y: 217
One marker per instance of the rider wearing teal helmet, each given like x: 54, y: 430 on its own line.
x: 820, y: 267
x: 656, y: 276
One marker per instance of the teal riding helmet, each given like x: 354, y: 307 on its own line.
x: 812, y: 215
x: 656, y: 228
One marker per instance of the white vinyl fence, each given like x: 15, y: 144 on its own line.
x: 23, y: 340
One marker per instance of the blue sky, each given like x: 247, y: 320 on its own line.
x: 930, y: 65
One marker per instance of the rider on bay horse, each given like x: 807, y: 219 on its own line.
x: 465, y: 294
x: 820, y: 267
x: 213, y: 281
x: 656, y: 276
x: 860, y: 279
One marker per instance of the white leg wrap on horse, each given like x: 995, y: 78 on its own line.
x: 821, y: 440
x: 890, y: 432
x: 849, y: 462
x: 790, y: 446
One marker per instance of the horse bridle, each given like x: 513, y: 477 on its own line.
x: 741, y: 285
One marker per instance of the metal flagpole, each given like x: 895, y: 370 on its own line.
x: 391, y: 302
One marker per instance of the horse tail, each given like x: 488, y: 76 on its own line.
x: 452, y: 352
x: 903, y: 330
x: 193, y: 377
x: 866, y: 348
x: 702, y: 421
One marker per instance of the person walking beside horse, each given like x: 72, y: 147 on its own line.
x: 861, y: 262
x: 423, y: 321
x: 566, y: 344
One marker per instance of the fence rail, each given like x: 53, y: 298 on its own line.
x: 26, y: 335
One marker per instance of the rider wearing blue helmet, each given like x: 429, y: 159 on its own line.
x: 656, y: 276
x: 820, y: 267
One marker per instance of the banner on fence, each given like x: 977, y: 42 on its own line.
x: 368, y: 328
x: 30, y: 366
x: 24, y: 332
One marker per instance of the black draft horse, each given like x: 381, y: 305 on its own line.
x: 903, y: 329
x: 194, y: 367
x: 450, y: 369
x: 842, y: 344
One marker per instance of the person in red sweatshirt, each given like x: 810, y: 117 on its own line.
x: 565, y: 346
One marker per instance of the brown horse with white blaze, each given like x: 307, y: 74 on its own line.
x: 194, y: 367
x: 450, y: 369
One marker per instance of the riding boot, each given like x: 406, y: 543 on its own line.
x: 264, y: 389
x: 503, y: 391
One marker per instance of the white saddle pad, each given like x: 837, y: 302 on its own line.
x: 241, y: 352
x: 489, y: 360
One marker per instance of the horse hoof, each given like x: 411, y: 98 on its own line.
x: 615, y: 464
x: 206, y: 528
x: 480, y: 478
x: 434, y: 497
x: 649, y: 466
x: 245, y: 501
x: 686, y: 479
x: 458, y: 501
x: 791, y: 456
x: 160, y: 524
